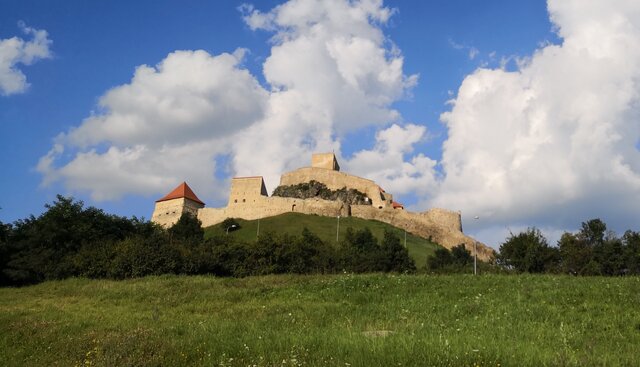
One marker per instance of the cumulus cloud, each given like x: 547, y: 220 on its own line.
x: 15, y: 51
x: 555, y: 141
x: 330, y: 71
x: 386, y: 163
x: 164, y: 126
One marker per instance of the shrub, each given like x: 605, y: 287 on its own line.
x: 230, y: 225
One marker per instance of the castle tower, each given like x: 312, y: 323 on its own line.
x: 325, y: 160
x: 169, y: 208
x: 247, y: 191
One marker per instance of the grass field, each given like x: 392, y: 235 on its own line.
x: 338, y: 320
x: 325, y: 228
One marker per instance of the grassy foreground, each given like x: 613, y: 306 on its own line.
x: 325, y: 228
x: 339, y: 320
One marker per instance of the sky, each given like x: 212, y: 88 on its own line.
x: 519, y: 113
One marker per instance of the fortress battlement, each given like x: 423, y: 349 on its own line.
x: 248, y: 199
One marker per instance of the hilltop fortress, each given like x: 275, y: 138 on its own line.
x: 249, y: 200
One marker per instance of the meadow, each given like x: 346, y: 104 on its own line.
x: 332, y: 320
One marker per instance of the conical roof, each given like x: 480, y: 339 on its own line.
x: 182, y: 191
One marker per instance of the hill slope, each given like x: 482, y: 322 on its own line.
x: 326, y: 228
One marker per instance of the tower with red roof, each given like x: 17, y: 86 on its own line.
x: 180, y: 200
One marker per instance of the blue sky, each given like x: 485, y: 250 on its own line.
x: 515, y: 156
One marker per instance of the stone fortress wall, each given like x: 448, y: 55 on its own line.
x: 249, y: 200
x: 168, y: 212
x: 336, y: 180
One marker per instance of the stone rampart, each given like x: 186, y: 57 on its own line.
x: 167, y: 213
x: 422, y: 225
x: 443, y: 217
x: 271, y: 206
x: 336, y: 180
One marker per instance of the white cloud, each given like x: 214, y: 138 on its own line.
x: 163, y: 127
x: 331, y: 71
x: 386, y: 163
x: 15, y: 51
x: 555, y: 141
x: 190, y: 96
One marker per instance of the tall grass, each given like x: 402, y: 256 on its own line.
x: 339, y: 320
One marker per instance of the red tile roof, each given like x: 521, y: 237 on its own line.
x: 182, y: 191
x: 396, y: 205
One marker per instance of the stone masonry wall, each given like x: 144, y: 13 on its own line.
x: 336, y: 180
x: 421, y: 225
x: 271, y: 206
x: 325, y: 160
x: 446, y: 218
x: 166, y: 213
x: 246, y: 190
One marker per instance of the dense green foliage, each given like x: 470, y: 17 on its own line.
x: 591, y: 251
x: 332, y: 320
x: 458, y: 260
x: 528, y: 251
x: 70, y: 240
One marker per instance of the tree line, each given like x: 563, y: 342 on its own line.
x: 593, y: 250
x: 70, y: 240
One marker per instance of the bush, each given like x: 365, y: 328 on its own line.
x: 230, y: 225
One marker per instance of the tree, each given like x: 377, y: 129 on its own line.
x: 187, y: 229
x: 460, y: 255
x: 631, y: 251
x: 528, y: 251
x: 593, y: 232
x: 395, y: 257
x: 5, y: 251
x: 47, y: 246
x: 360, y: 251
x: 575, y: 254
x: 440, y: 259
x: 43, y: 247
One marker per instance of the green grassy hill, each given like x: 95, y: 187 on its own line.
x: 323, y: 320
x: 326, y: 228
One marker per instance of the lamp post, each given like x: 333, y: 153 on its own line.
x: 338, y: 231
x: 475, y: 253
x: 231, y: 226
x: 405, y: 238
